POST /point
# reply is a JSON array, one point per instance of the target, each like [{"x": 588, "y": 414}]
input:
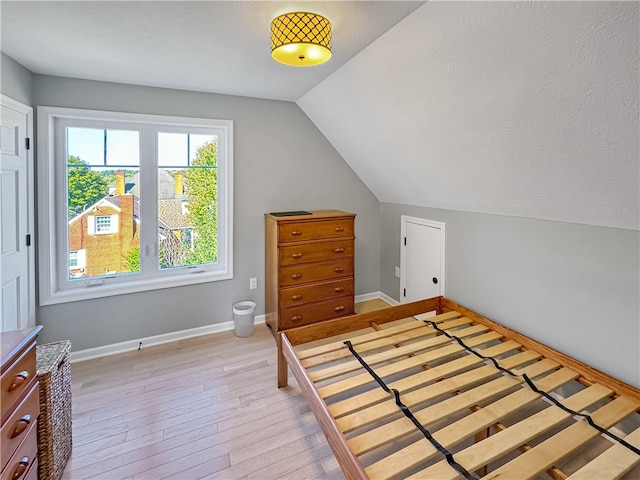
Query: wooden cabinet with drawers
[
  {"x": 20, "y": 404},
  {"x": 309, "y": 267}
]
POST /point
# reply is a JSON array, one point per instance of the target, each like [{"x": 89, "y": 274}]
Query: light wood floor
[{"x": 206, "y": 407}]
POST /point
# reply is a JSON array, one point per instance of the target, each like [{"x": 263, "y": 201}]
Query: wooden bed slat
[
  {"x": 379, "y": 411},
  {"x": 421, "y": 330},
  {"x": 376, "y": 395},
  {"x": 435, "y": 413},
  {"x": 613, "y": 463},
  {"x": 503, "y": 442},
  {"x": 562, "y": 444},
  {"x": 375, "y": 412},
  {"x": 454, "y": 433},
  {"x": 417, "y": 360},
  {"x": 368, "y": 337},
  {"x": 390, "y": 354}
]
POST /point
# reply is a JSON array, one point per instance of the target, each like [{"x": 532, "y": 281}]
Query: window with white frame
[
  {"x": 103, "y": 224},
  {"x": 114, "y": 186},
  {"x": 77, "y": 261}
]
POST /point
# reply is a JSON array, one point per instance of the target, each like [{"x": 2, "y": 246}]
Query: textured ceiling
[
  {"x": 515, "y": 108},
  {"x": 524, "y": 109},
  {"x": 209, "y": 46}
]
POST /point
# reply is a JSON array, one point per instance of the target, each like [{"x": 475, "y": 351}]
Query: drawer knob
[
  {"x": 338, "y": 269},
  {"x": 296, "y": 318},
  {"x": 21, "y": 426},
  {"x": 18, "y": 381},
  {"x": 20, "y": 468},
  {"x": 339, "y": 308},
  {"x": 296, "y": 255},
  {"x": 339, "y": 229},
  {"x": 338, "y": 250},
  {"x": 296, "y": 276},
  {"x": 296, "y": 297},
  {"x": 296, "y": 233},
  {"x": 338, "y": 289}
]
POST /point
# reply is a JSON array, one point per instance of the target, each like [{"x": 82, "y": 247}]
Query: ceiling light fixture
[{"x": 301, "y": 39}]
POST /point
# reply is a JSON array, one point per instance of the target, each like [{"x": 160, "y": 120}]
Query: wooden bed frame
[{"x": 492, "y": 422}]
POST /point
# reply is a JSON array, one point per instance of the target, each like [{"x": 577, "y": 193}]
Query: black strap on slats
[
  {"x": 533, "y": 387},
  {"x": 407, "y": 413}
]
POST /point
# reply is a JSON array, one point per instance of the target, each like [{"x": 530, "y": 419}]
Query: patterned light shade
[{"x": 301, "y": 39}]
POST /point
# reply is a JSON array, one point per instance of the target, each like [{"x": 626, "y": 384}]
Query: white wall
[
  {"x": 575, "y": 288},
  {"x": 281, "y": 163},
  {"x": 516, "y": 108},
  {"x": 15, "y": 80}
]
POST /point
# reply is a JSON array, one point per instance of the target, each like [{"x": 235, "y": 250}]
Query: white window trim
[{"x": 50, "y": 237}]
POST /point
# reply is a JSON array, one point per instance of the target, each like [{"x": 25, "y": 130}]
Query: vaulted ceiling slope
[{"x": 516, "y": 108}]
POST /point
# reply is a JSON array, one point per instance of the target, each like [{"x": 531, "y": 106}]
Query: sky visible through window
[{"x": 122, "y": 147}]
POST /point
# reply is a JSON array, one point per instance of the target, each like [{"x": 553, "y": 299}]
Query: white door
[
  {"x": 421, "y": 259},
  {"x": 16, "y": 259}
]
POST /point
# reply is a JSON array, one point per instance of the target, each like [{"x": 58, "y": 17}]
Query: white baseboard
[
  {"x": 131, "y": 345},
  {"x": 376, "y": 295}
]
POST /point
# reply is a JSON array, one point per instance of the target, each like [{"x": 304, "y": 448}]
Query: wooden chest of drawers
[
  {"x": 309, "y": 268},
  {"x": 20, "y": 405}
]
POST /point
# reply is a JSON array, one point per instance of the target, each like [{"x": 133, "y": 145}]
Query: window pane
[
  {"x": 86, "y": 144},
  {"x": 173, "y": 149},
  {"x": 188, "y": 218},
  {"x": 123, "y": 148},
  {"x": 103, "y": 212},
  {"x": 196, "y": 142}
]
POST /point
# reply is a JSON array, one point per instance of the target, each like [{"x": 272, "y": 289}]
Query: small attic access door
[{"x": 421, "y": 259}]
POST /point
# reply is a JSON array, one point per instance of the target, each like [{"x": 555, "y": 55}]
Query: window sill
[{"x": 107, "y": 289}]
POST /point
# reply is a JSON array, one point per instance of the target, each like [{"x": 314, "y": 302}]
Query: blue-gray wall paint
[
  {"x": 573, "y": 287},
  {"x": 281, "y": 162},
  {"x": 15, "y": 80}
]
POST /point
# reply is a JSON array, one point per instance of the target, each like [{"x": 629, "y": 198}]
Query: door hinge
[
  {"x": 28, "y": 239},
  {"x": 404, "y": 292},
  {"x": 27, "y": 143}
]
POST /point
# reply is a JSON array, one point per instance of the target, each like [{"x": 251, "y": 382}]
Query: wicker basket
[{"x": 54, "y": 423}]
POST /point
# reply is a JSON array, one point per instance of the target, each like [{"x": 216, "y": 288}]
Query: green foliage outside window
[
  {"x": 85, "y": 186},
  {"x": 201, "y": 186}
]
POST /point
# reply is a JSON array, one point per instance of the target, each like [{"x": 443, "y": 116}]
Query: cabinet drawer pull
[
  {"x": 18, "y": 381},
  {"x": 338, "y": 269},
  {"x": 338, "y": 289},
  {"x": 296, "y": 297},
  {"x": 296, "y": 276},
  {"x": 339, "y": 308},
  {"x": 296, "y": 233},
  {"x": 338, "y": 250},
  {"x": 296, "y": 318},
  {"x": 296, "y": 255},
  {"x": 21, "y": 426},
  {"x": 20, "y": 468},
  {"x": 339, "y": 229}
]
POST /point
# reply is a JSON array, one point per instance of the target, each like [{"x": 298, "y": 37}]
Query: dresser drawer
[
  {"x": 15, "y": 429},
  {"x": 314, "y": 312},
  {"x": 32, "y": 474},
  {"x": 298, "y": 231},
  {"x": 313, "y": 252},
  {"x": 293, "y": 296},
  {"x": 17, "y": 379},
  {"x": 313, "y": 272},
  {"x": 24, "y": 458}
]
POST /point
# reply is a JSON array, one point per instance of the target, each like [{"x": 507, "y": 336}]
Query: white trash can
[{"x": 243, "y": 318}]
